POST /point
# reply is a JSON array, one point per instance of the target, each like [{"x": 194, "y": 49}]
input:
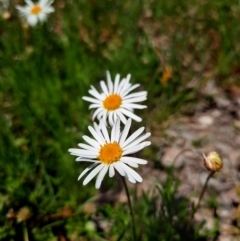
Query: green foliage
[{"x": 161, "y": 214}]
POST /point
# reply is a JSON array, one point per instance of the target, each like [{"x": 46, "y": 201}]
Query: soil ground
[{"x": 211, "y": 125}]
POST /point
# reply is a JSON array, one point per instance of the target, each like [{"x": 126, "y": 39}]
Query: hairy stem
[
  {"x": 130, "y": 208},
  {"x": 202, "y": 193}
]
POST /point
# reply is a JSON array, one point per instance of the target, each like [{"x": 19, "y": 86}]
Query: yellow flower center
[
  {"x": 36, "y": 9},
  {"x": 110, "y": 153},
  {"x": 112, "y": 102}
]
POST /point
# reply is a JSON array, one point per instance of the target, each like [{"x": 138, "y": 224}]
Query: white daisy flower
[
  {"x": 36, "y": 12},
  {"x": 115, "y": 100},
  {"x": 110, "y": 152}
]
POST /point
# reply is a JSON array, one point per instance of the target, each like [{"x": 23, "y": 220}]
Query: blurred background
[{"x": 186, "y": 54}]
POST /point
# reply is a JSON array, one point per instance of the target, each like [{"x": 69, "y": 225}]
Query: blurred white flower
[
  {"x": 110, "y": 152},
  {"x": 35, "y": 12},
  {"x": 115, "y": 100},
  {"x": 4, "y": 4}
]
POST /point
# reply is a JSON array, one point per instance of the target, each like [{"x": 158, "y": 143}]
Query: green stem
[
  {"x": 130, "y": 208},
  {"x": 25, "y": 232},
  {"x": 202, "y": 193}
]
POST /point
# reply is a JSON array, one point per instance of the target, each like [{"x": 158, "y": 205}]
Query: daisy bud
[
  {"x": 23, "y": 214},
  {"x": 213, "y": 162}
]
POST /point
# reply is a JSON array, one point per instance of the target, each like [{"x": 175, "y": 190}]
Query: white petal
[
  {"x": 133, "y": 136},
  {"x": 130, "y": 163},
  {"x": 87, "y": 147},
  {"x": 132, "y": 150},
  {"x": 92, "y": 174},
  {"x": 133, "y": 159},
  {"x": 42, "y": 17},
  {"x": 87, "y": 169},
  {"x": 98, "y": 138},
  {"x": 81, "y": 152},
  {"x": 145, "y": 143},
  {"x": 126, "y": 86},
  {"x": 137, "y": 141},
  {"x": 130, "y": 89},
  {"x": 125, "y": 131},
  {"x": 122, "y": 85},
  {"x": 89, "y": 99},
  {"x": 49, "y": 9},
  {"x": 23, "y": 10},
  {"x": 95, "y": 93},
  {"x": 29, "y": 3},
  {"x": 101, "y": 115},
  {"x": 115, "y": 116},
  {"x": 130, "y": 178},
  {"x": 90, "y": 157},
  {"x": 134, "y": 100},
  {"x": 92, "y": 106},
  {"x": 136, "y": 148},
  {"x": 129, "y": 170},
  {"x": 124, "y": 89},
  {"x": 121, "y": 116},
  {"x": 97, "y": 129},
  {"x": 91, "y": 141},
  {"x": 110, "y": 118},
  {"x": 137, "y": 94},
  {"x": 101, "y": 175},
  {"x": 104, "y": 88},
  {"x": 80, "y": 159},
  {"x": 104, "y": 117},
  {"x": 45, "y": 3},
  {"x": 32, "y": 20},
  {"x": 109, "y": 81},
  {"x": 131, "y": 115},
  {"x": 111, "y": 171},
  {"x": 119, "y": 168},
  {"x": 128, "y": 77},
  {"x": 98, "y": 112},
  {"x": 104, "y": 131},
  {"x": 116, "y": 83},
  {"x": 115, "y": 131},
  {"x": 133, "y": 106},
  {"x": 42, "y": 3}
]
